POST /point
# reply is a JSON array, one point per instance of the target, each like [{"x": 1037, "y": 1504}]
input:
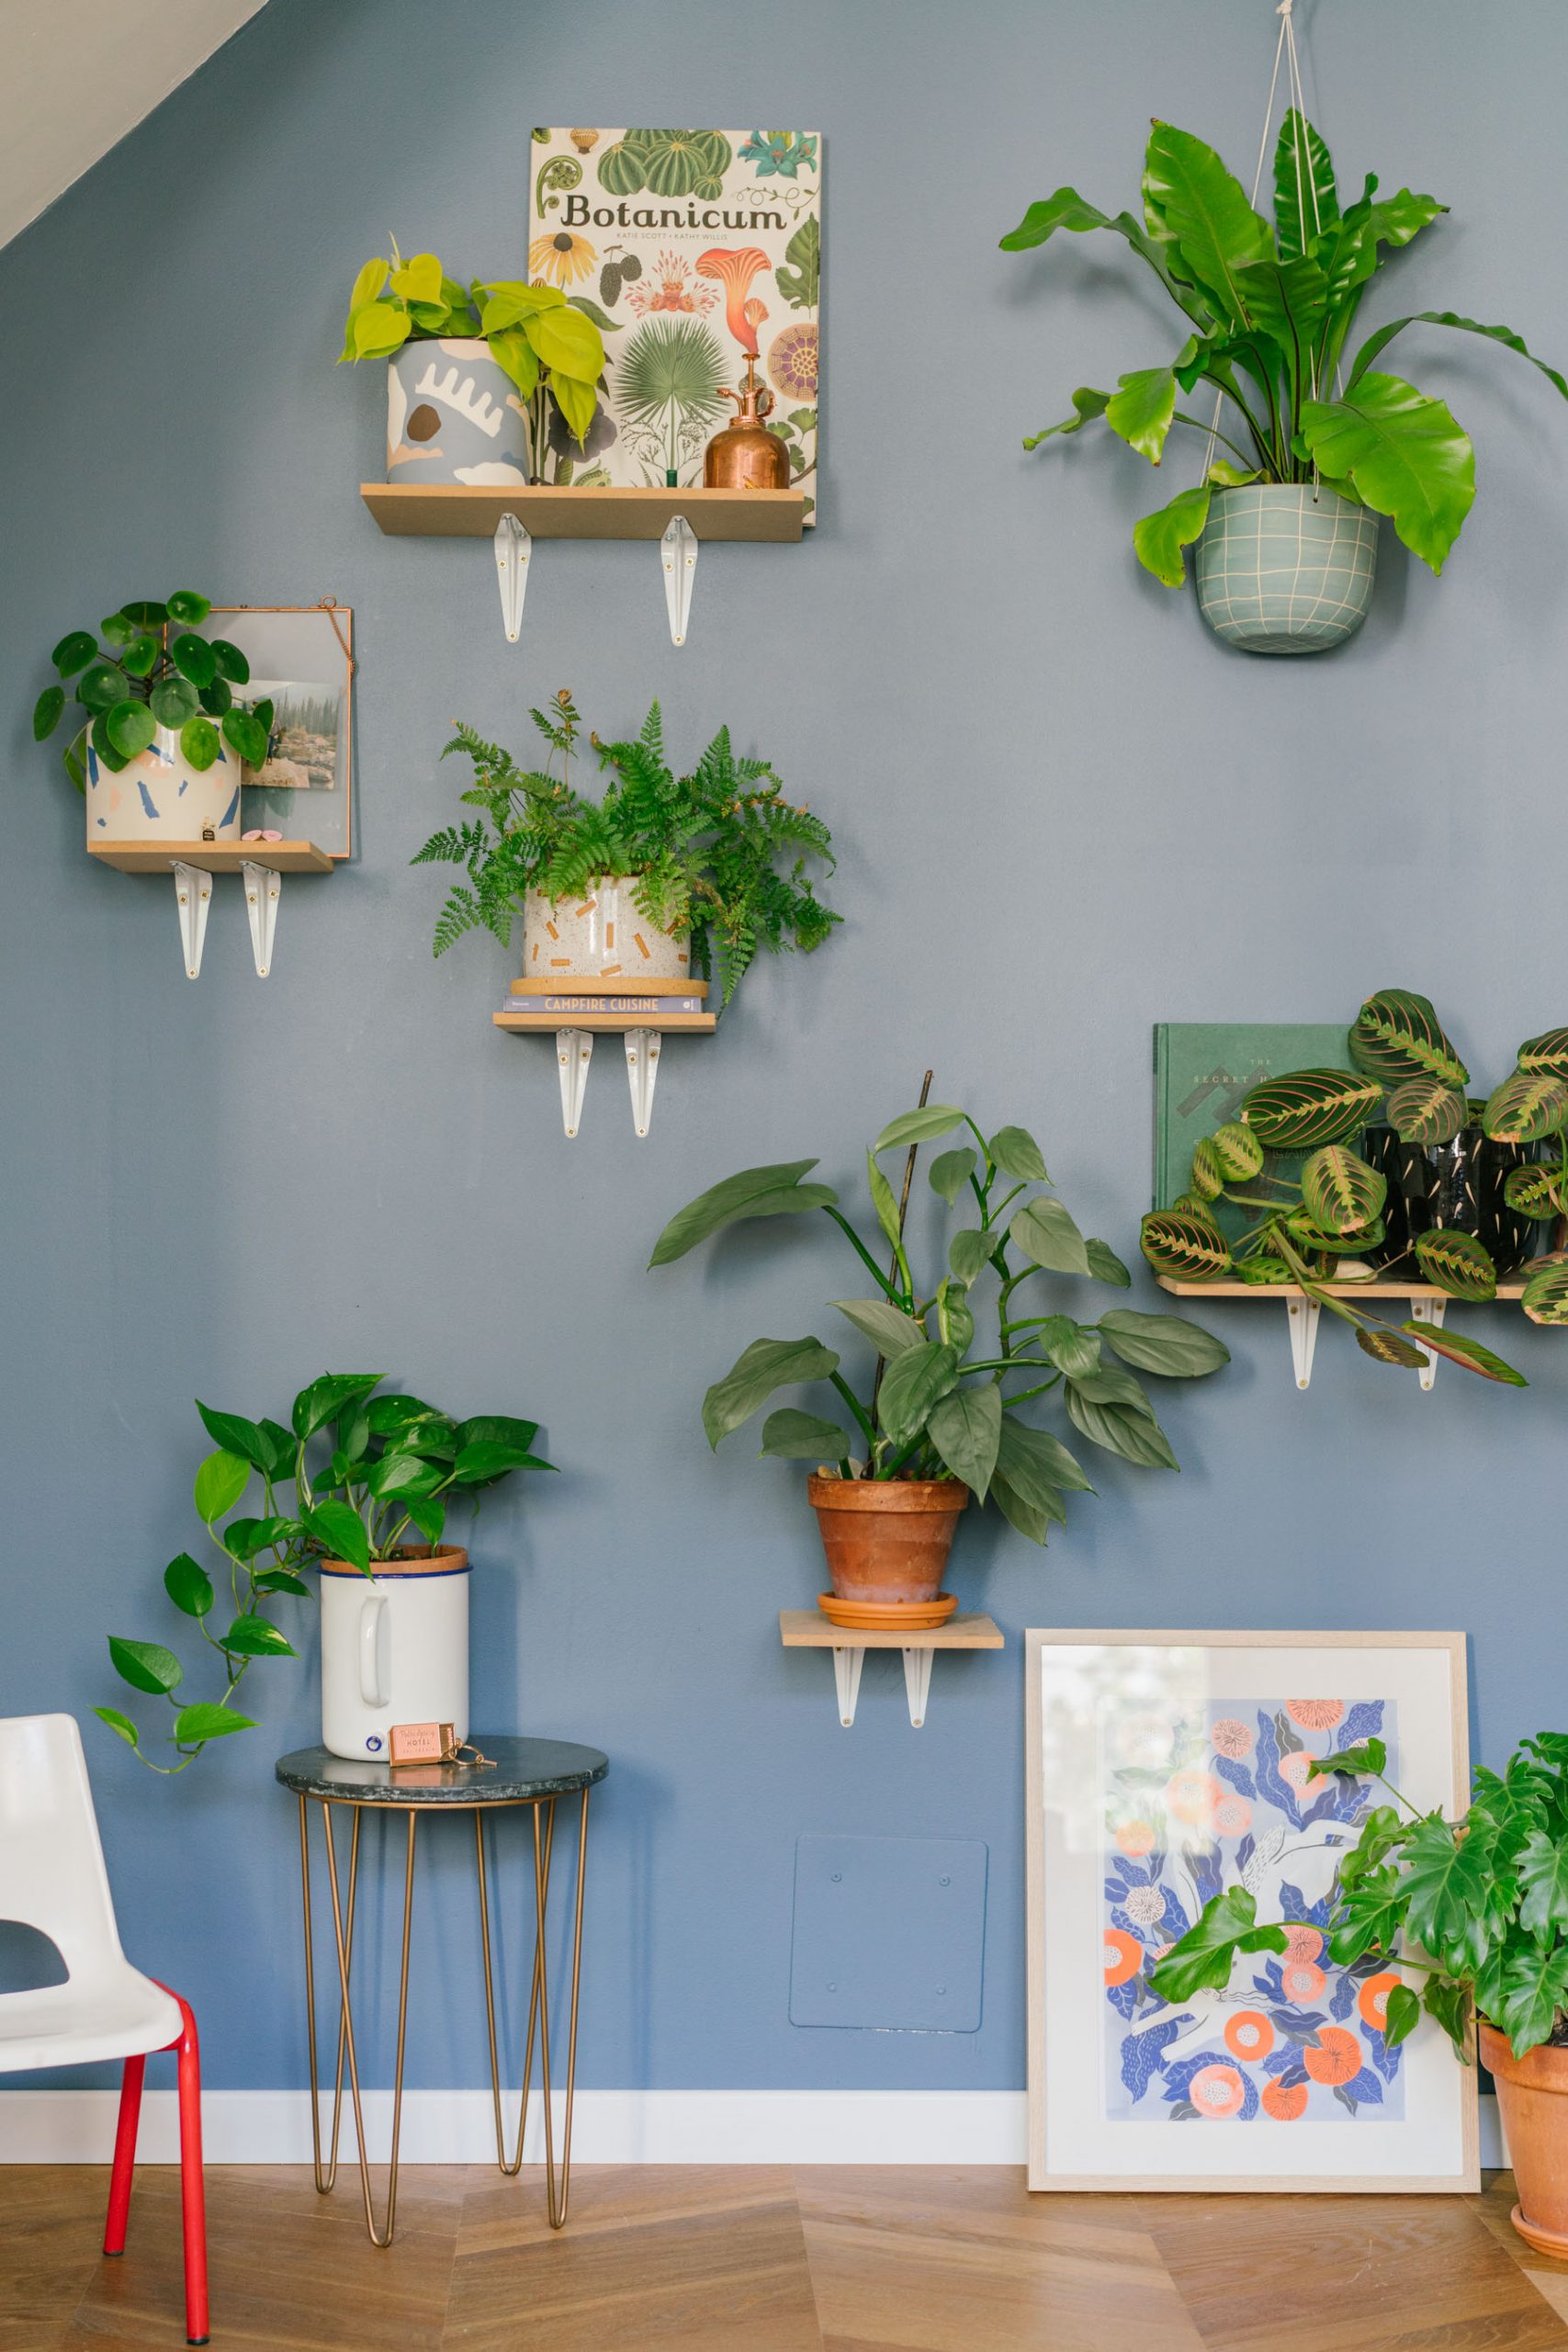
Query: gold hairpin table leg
[
  {"x": 557, "y": 2187},
  {"x": 342, "y": 1932},
  {"x": 326, "y": 2179}
]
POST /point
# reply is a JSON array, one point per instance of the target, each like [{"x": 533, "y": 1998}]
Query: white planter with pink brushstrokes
[{"x": 603, "y": 935}]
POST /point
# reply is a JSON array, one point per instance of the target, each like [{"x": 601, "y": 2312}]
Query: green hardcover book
[{"x": 1203, "y": 1071}]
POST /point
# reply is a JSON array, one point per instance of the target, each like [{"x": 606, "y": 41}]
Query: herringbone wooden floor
[{"x": 766, "y": 2259}]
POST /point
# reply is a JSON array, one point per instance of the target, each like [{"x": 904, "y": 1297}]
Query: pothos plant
[
  {"x": 547, "y": 342},
  {"x": 1483, "y": 1900},
  {"x": 1270, "y": 310},
  {"x": 346, "y": 1480},
  {"x": 719, "y": 854},
  {"x": 152, "y": 671},
  {"x": 933, "y": 1398},
  {"x": 1300, "y": 1230}
]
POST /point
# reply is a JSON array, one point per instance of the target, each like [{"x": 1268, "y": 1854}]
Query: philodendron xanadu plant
[
  {"x": 1271, "y": 311},
  {"x": 933, "y": 1399},
  {"x": 1407, "y": 1072}
]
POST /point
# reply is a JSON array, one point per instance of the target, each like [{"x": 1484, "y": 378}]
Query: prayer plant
[
  {"x": 1407, "y": 1072},
  {"x": 1483, "y": 1901},
  {"x": 720, "y": 855},
  {"x": 932, "y": 1398},
  {"x": 365, "y": 1472},
  {"x": 1271, "y": 310}
]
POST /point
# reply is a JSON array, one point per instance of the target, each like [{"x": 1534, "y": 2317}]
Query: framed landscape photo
[
  {"x": 1162, "y": 1768},
  {"x": 301, "y": 659}
]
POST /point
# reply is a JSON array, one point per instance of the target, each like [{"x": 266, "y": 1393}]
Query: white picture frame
[{"x": 1129, "y": 1734}]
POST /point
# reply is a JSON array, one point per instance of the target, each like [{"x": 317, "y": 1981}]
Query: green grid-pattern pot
[{"x": 1286, "y": 569}]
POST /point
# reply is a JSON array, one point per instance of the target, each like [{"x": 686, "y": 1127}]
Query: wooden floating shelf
[
  {"x": 1335, "y": 1290},
  {"x": 453, "y": 510},
  {"x": 808, "y": 1629},
  {"x": 212, "y": 857}
]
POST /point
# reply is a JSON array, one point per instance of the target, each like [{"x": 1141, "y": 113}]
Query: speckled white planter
[
  {"x": 160, "y": 797},
  {"x": 598, "y": 937}
]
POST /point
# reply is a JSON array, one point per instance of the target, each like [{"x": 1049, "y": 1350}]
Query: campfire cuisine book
[{"x": 691, "y": 251}]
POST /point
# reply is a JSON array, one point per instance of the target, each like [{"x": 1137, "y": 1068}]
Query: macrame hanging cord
[{"x": 1284, "y": 54}]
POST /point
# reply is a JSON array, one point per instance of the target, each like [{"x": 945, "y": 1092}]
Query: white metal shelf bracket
[
  {"x": 574, "y": 1050},
  {"x": 1303, "y": 1314},
  {"x": 263, "y": 888},
  {"x": 512, "y": 548},
  {"x": 1432, "y": 1311},
  {"x": 678, "y": 552},
  {"x": 193, "y": 893},
  {"x": 642, "y": 1073},
  {"x": 847, "y": 1664},
  {"x": 917, "y": 1682}
]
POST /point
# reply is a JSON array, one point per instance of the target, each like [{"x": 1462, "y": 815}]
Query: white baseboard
[{"x": 609, "y": 2126}]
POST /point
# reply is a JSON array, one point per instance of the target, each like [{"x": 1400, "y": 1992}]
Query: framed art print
[
  {"x": 301, "y": 659},
  {"x": 1162, "y": 1768}
]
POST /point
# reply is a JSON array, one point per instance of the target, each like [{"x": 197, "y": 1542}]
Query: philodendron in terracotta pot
[
  {"x": 345, "y": 1489},
  {"x": 1464, "y": 1921},
  {"x": 659, "y": 873},
  {"x": 1306, "y": 447},
  {"x": 934, "y": 1412}
]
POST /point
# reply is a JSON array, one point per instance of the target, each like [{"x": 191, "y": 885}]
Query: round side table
[{"x": 533, "y": 1772}]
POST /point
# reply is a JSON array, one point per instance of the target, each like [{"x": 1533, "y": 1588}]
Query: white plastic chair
[{"x": 52, "y": 1879}]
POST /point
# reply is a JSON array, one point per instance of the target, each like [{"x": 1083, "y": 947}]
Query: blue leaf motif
[
  {"x": 1176, "y": 1922},
  {"x": 1245, "y": 1848},
  {"x": 1343, "y": 2000},
  {"x": 1123, "y": 1998},
  {"x": 1364, "y": 2088},
  {"x": 1205, "y": 1872},
  {"x": 1142, "y": 2055},
  {"x": 1249, "y": 2102},
  {"x": 1270, "y": 1980},
  {"x": 1295, "y": 1905},
  {"x": 1385, "y": 2060},
  {"x": 1237, "y": 1774},
  {"x": 1363, "y": 1722},
  {"x": 1277, "y": 1791}
]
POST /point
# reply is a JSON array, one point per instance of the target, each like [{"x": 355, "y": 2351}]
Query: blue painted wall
[{"x": 1064, "y": 813}]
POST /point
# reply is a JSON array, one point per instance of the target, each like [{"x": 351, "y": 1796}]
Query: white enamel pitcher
[{"x": 394, "y": 1649}]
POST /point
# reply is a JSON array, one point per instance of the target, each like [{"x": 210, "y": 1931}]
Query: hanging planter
[
  {"x": 1285, "y": 569},
  {"x": 1306, "y": 447}
]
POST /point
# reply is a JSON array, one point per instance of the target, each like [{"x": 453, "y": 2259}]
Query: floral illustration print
[
  {"x": 792, "y": 362},
  {"x": 734, "y": 271},
  {"x": 779, "y": 153},
  {"x": 561, "y": 259},
  {"x": 672, "y": 287},
  {"x": 1221, "y": 1799}
]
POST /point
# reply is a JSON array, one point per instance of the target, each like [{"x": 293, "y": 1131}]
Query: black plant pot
[{"x": 1457, "y": 1186}]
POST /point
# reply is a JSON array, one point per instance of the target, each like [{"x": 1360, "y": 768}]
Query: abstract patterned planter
[
  {"x": 454, "y": 414},
  {"x": 1285, "y": 569},
  {"x": 597, "y": 937},
  {"x": 160, "y": 797},
  {"x": 1454, "y": 1187}
]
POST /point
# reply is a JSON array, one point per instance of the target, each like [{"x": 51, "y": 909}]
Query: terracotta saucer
[{"x": 887, "y": 1616}]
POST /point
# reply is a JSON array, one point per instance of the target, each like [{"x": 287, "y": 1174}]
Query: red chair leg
[
  {"x": 124, "y": 2155},
  {"x": 193, "y": 2199}
]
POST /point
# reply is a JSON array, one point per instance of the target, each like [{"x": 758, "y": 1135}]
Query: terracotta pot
[
  {"x": 887, "y": 1540},
  {"x": 1532, "y": 2093}
]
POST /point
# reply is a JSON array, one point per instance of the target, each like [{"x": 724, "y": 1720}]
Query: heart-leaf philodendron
[
  {"x": 369, "y": 1475},
  {"x": 932, "y": 1399},
  {"x": 1475, "y": 1911},
  {"x": 1271, "y": 311}
]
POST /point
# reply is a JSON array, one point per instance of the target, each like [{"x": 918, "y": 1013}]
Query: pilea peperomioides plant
[
  {"x": 156, "y": 672},
  {"x": 933, "y": 1398},
  {"x": 1483, "y": 1901},
  {"x": 1408, "y": 1074},
  {"x": 1270, "y": 310}
]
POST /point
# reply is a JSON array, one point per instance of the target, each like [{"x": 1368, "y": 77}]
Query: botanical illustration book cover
[
  {"x": 691, "y": 251},
  {"x": 1203, "y": 1069}
]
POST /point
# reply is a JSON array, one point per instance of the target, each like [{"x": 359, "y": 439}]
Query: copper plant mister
[{"x": 746, "y": 456}]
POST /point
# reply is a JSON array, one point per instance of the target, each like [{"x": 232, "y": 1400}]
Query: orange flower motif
[
  {"x": 1302, "y": 1944},
  {"x": 1295, "y": 1770},
  {"x": 1233, "y": 1816},
  {"x": 1373, "y": 1999},
  {"x": 1123, "y": 1955},
  {"x": 1336, "y": 2057},
  {"x": 1191, "y": 1794},
  {"x": 1233, "y": 1737},
  {"x": 1304, "y": 1982},
  {"x": 1136, "y": 1839},
  {"x": 1217, "y": 2092},
  {"x": 1285, "y": 2102},
  {"x": 1250, "y": 2035},
  {"x": 1316, "y": 1715}
]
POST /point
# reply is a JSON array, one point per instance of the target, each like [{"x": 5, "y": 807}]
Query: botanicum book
[{"x": 691, "y": 251}]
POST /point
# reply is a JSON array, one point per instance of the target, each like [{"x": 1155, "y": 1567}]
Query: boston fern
[
  {"x": 932, "y": 1399},
  {"x": 1483, "y": 1901},
  {"x": 719, "y": 854},
  {"x": 1271, "y": 310}
]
